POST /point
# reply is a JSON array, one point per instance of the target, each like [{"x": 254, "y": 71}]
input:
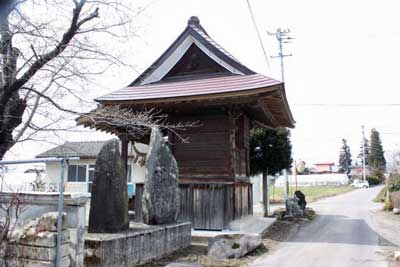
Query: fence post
[{"x": 60, "y": 212}]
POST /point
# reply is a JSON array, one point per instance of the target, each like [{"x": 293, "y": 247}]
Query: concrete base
[
  {"x": 140, "y": 244},
  {"x": 251, "y": 225}
]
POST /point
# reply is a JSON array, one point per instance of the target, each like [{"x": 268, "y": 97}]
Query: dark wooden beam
[{"x": 268, "y": 113}]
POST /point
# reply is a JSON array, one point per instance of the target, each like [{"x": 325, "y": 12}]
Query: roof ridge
[
  {"x": 90, "y": 141},
  {"x": 195, "y": 30}
]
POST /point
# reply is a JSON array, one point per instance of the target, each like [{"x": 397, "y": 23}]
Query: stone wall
[
  {"x": 41, "y": 251},
  {"x": 136, "y": 246},
  {"x": 38, "y": 203}
]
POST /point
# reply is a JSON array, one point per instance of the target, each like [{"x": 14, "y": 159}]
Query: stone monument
[
  {"x": 109, "y": 201},
  {"x": 160, "y": 202},
  {"x": 293, "y": 209}
]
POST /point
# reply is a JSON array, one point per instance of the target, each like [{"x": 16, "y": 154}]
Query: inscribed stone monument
[
  {"x": 109, "y": 200},
  {"x": 160, "y": 203}
]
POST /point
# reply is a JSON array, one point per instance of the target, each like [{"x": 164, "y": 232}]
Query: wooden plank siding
[
  {"x": 215, "y": 188},
  {"x": 209, "y": 206},
  {"x": 205, "y": 156},
  {"x": 241, "y": 148}
]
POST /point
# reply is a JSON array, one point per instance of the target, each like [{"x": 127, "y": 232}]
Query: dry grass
[{"x": 312, "y": 193}]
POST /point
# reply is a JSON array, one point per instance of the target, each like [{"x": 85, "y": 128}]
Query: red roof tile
[{"x": 225, "y": 84}]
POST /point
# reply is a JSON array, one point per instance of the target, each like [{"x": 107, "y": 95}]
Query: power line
[{"x": 258, "y": 35}]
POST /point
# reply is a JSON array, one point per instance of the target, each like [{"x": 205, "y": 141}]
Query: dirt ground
[
  {"x": 387, "y": 225},
  {"x": 272, "y": 240}
]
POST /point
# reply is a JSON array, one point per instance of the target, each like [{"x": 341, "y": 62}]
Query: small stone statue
[
  {"x": 292, "y": 208},
  {"x": 301, "y": 199}
]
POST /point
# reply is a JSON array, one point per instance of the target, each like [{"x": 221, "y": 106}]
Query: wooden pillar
[
  {"x": 124, "y": 151},
  {"x": 232, "y": 143}
]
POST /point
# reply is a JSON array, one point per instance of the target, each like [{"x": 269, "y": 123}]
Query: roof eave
[{"x": 201, "y": 97}]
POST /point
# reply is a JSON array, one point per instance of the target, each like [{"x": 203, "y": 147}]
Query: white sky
[{"x": 345, "y": 52}]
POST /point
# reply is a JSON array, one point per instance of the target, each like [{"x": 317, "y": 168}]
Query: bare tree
[
  {"x": 394, "y": 162},
  {"x": 11, "y": 207},
  {"x": 48, "y": 51},
  {"x": 133, "y": 124}
]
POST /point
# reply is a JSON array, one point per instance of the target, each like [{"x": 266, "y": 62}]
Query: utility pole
[
  {"x": 363, "y": 151},
  {"x": 283, "y": 37}
]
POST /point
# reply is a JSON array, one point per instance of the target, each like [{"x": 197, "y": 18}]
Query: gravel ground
[
  {"x": 272, "y": 240},
  {"x": 387, "y": 225}
]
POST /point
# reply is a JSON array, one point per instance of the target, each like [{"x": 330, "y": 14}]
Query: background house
[
  {"x": 79, "y": 175},
  {"x": 323, "y": 167}
]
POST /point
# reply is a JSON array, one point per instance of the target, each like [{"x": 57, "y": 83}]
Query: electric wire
[{"x": 258, "y": 34}]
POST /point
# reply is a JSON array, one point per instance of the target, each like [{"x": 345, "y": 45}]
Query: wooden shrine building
[{"x": 195, "y": 79}]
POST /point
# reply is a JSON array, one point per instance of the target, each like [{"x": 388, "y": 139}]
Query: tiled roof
[
  {"x": 84, "y": 149},
  {"x": 208, "y": 86},
  {"x": 74, "y": 149},
  {"x": 198, "y": 29},
  {"x": 195, "y": 30}
]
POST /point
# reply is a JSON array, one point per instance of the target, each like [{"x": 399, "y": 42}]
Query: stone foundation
[
  {"x": 138, "y": 245},
  {"x": 38, "y": 203},
  {"x": 41, "y": 251}
]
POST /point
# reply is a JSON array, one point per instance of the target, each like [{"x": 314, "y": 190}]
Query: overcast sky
[{"x": 345, "y": 53}]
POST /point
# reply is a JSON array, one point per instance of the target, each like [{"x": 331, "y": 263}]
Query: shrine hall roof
[
  {"x": 199, "y": 87},
  {"x": 196, "y": 68}
]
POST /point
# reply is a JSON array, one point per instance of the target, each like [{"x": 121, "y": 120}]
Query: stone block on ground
[
  {"x": 309, "y": 213},
  {"x": 232, "y": 246},
  {"x": 293, "y": 209},
  {"x": 139, "y": 245},
  {"x": 109, "y": 201},
  {"x": 40, "y": 253},
  {"x": 395, "y": 197},
  {"x": 45, "y": 223},
  {"x": 279, "y": 213},
  {"x": 160, "y": 202},
  {"x": 44, "y": 239},
  {"x": 65, "y": 262},
  {"x": 184, "y": 264}
]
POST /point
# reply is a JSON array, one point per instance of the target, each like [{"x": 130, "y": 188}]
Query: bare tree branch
[{"x": 52, "y": 52}]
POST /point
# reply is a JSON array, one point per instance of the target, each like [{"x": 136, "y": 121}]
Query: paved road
[{"x": 342, "y": 235}]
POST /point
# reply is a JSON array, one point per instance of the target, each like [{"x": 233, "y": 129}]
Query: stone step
[
  {"x": 65, "y": 262},
  {"x": 45, "y": 239},
  {"x": 40, "y": 253}
]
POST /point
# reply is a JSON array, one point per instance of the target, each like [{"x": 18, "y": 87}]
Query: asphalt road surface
[{"x": 342, "y": 235}]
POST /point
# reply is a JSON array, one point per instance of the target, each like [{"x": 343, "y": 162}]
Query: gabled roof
[
  {"x": 88, "y": 149},
  {"x": 83, "y": 149},
  {"x": 193, "y": 34},
  {"x": 196, "y": 70}
]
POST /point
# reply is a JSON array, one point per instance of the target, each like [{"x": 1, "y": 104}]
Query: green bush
[
  {"x": 388, "y": 205},
  {"x": 373, "y": 180},
  {"x": 394, "y": 183}
]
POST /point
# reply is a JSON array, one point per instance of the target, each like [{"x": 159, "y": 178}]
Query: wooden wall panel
[
  {"x": 209, "y": 206},
  {"x": 242, "y": 144},
  {"x": 207, "y": 151}
]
